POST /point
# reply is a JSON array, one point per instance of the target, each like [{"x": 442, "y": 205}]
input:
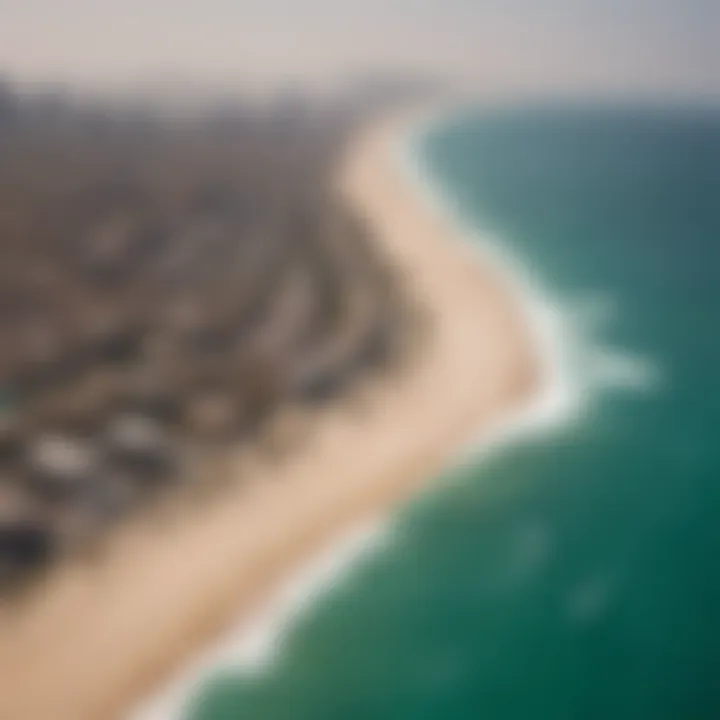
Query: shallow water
[{"x": 573, "y": 574}]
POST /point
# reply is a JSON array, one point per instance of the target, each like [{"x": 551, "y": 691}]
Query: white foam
[
  {"x": 621, "y": 370},
  {"x": 574, "y": 363},
  {"x": 604, "y": 366},
  {"x": 589, "y": 600},
  {"x": 252, "y": 646},
  {"x": 560, "y": 394}
]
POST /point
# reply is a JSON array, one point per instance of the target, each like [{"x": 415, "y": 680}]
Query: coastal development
[
  {"x": 167, "y": 288},
  {"x": 226, "y": 339}
]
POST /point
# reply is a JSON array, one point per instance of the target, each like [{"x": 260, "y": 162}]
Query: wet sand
[{"x": 101, "y": 635}]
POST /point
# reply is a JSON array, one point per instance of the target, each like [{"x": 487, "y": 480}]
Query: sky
[{"x": 489, "y": 45}]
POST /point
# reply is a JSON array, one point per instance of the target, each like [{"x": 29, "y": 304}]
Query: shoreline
[
  {"x": 254, "y": 644},
  {"x": 106, "y": 636}
]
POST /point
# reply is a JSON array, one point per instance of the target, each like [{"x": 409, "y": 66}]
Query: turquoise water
[{"x": 574, "y": 574}]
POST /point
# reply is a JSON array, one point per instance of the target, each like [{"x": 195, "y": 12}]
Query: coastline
[{"x": 98, "y": 643}]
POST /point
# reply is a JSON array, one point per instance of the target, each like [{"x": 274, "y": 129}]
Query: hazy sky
[{"x": 491, "y": 44}]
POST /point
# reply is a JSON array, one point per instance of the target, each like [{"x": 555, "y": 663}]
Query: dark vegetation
[{"x": 166, "y": 286}]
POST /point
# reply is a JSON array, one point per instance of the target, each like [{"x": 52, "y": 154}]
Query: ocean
[{"x": 575, "y": 572}]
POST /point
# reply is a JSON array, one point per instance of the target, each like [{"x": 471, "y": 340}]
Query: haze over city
[{"x": 491, "y": 46}]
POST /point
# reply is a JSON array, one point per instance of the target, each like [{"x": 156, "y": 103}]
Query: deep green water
[{"x": 575, "y": 574}]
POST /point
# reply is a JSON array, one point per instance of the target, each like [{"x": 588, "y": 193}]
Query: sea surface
[{"x": 575, "y": 573}]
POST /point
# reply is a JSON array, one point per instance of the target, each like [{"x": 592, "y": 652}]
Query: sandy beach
[{"x": 102, "y": 635}]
